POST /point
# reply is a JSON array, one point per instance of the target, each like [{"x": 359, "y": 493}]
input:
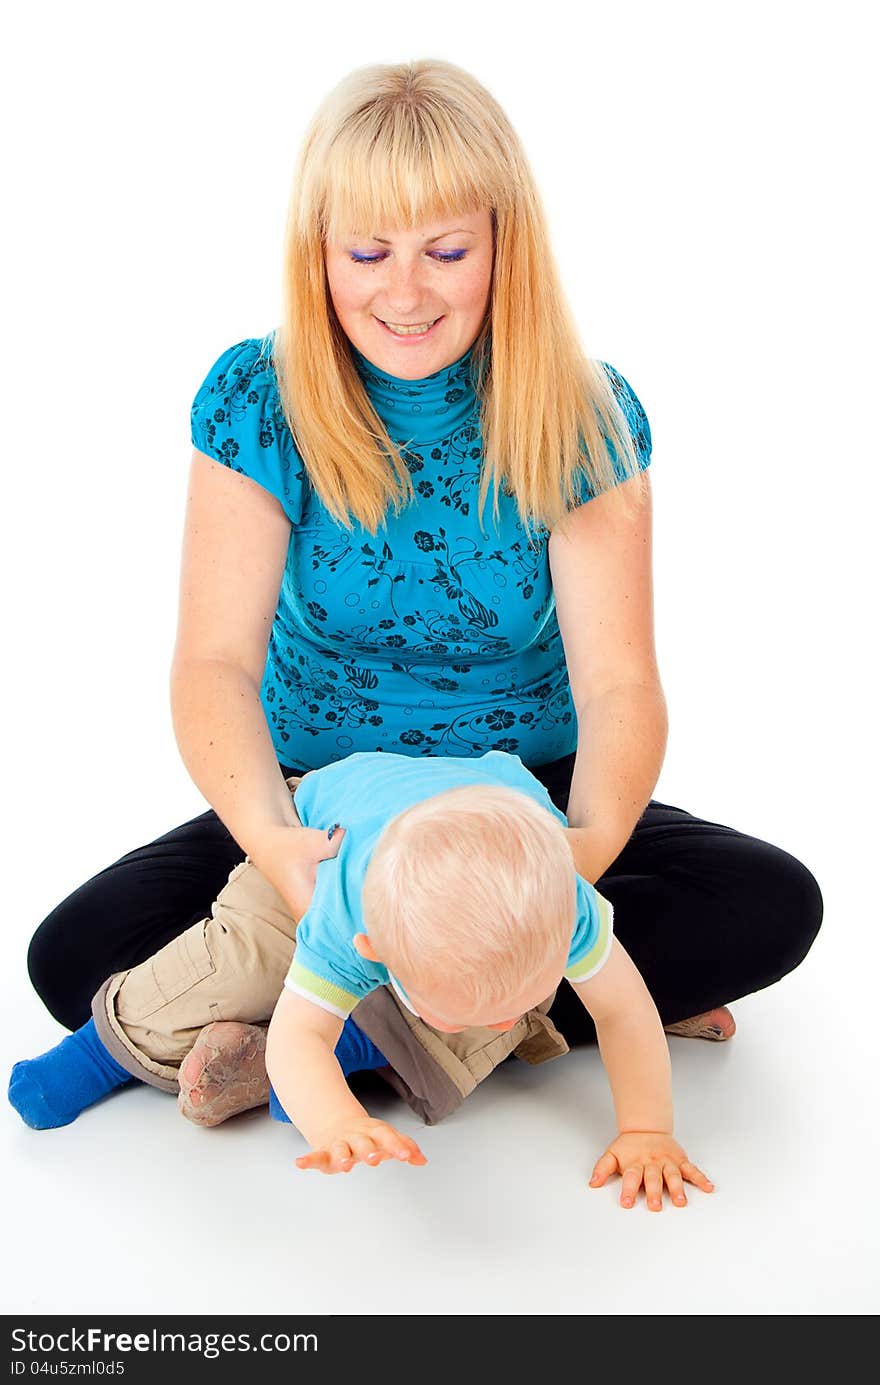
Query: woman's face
[{"x": 435, "y": 277}]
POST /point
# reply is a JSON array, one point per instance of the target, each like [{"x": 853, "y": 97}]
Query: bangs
[
  {"x": 401, "y": 165},
  {"x": 411, "y": 146}
]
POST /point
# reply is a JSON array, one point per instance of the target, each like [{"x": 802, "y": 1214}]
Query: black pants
[{"x": 707, "y": 913}]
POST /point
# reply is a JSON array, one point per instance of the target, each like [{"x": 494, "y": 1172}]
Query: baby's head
[{"x": 469, "y": 900}]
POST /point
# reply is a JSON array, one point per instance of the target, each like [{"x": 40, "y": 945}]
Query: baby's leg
[
  {"x": 224, "y": 1073},
  {"x": 192, "y": 1019},
  {"x": 145, "y": 1021}
]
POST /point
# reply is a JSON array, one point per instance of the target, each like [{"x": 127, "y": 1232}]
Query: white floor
[{"x": 131, "y": 1209}]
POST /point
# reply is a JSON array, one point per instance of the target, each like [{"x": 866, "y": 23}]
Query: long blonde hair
[{"x": 398, "y": 145}]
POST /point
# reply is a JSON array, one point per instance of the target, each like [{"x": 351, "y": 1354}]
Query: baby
[{"x": 455, "y": 885}]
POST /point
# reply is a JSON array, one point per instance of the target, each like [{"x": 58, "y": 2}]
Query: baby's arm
[
  {"x": 636, "y": 1057},
  {"x": 308, "y": 1082}
]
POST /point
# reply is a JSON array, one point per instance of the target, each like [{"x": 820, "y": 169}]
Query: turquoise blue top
[
  {"x": 436, "y": 638},
  {"x": 364, "y": 792}
]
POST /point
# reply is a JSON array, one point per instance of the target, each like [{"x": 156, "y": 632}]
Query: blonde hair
[
  {"x": 397, "y": 145},
  {"x": 473, "y": 887}
]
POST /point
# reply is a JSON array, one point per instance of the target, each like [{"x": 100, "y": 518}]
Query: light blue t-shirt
[
  {"x": 434, "y": 637},
  {"x": 363, "y": 793}
]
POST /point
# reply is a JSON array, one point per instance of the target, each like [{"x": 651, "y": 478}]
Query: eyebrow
[{"x": 457, "y": 231}]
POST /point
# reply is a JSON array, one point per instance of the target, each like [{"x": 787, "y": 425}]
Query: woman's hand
[
  {"x": 360, "y": 1141},
  {"x": 290, "y": 858},
  {"x": 651, "y": 1157}
]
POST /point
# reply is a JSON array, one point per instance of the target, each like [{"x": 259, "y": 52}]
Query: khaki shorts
[{"x": 232, "y": 966}]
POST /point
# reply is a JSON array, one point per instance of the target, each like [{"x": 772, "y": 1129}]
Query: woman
[{"x": 353, "y": 590}]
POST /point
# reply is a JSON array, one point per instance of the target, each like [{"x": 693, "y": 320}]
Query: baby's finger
[
  {"x": 696, "y": 1176},
  {"x": 632, "y": 1181},
  {"x": 408, "y": 1152},
  {"x": 604, "y": 1168},
  {"x": 341, "y": 1157},
  {"x": 413, "y": 1154},
  {"x": 399, "y": 1146},
  {"x": 674, "y": 1184},
  {"x": 364, "y": 1149},
  {"x": 317, "y": 1159},
  {"x": 654, "y": 1187}
]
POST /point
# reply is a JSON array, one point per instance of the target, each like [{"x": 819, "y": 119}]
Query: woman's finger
[
  {"x": 696, "y": 1176},
  {"x": 604, "y": 1168},
  {"x": 632, "y": 1181},
  {"x": 674, "y": 1184},
  {"x": 329, "y": 842},
  {"x": 654, "y": 1187}
]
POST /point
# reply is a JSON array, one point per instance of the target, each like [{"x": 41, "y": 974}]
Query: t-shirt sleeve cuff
[
  {"x": 593, "y": 960},
  {"x": 320, "y": 991}
]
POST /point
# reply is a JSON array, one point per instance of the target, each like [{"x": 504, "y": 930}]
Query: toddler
[{"x": 454, "y": 884}]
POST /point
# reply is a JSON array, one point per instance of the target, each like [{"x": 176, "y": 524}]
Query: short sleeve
[
  {"x": 237, "y": 419},
  {"x": 326, "y": 970},
  {"x": 591, "y": 944},
  {"x": 639, "y": 428}
]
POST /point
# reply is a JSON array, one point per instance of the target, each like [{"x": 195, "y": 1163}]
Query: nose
[{"x": 405, "y": 290}]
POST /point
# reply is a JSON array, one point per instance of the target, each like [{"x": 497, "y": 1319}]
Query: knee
[
  {"x": 53, "y": 973},
  {"x": 793, "y": 908}
]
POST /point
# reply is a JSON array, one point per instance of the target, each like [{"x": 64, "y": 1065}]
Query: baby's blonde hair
[{"x": 472, "y": 888}]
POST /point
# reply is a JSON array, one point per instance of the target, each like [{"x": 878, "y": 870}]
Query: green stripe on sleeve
[
  {"x": 324, "y": 993},
  {"x": 590, "y": 963}
]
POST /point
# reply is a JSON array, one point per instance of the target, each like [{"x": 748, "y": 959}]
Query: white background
[{"x": 707, "y": 176}]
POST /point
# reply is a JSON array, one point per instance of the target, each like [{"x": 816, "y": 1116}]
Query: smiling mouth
[{"x": 401, "y": 329}]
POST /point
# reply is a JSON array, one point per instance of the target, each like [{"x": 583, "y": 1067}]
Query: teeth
[{"x": 409, "y": 331}]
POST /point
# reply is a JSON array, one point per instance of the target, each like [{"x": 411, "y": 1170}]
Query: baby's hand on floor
[
  {"x": 365, "y": 1141},
  {"x": 651, "y": 1157}
]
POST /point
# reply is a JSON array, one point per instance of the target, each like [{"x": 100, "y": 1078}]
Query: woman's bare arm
[
  {"x": 235, "y": 544},
  {"x": 602, "y": 582}
]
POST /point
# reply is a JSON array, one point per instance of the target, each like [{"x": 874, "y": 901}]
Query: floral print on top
[{"x": 435, "y": 637}]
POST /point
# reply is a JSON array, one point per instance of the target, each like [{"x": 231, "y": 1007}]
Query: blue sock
[
  {"x": 51, "y": 1090},
  {"x": 276, "y": 1110},
  {"x": 354, "y": 1053}
]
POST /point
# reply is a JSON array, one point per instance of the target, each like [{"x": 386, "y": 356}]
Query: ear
[{"x": 364, "y": 947}]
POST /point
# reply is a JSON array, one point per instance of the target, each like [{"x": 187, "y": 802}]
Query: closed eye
[{"x": 442, "y": 256}]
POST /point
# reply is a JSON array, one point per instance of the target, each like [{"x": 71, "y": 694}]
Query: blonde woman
[{"x": 419, "y": 521}]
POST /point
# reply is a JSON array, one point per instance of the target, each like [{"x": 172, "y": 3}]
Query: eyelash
[{"x": 449, "y": 257}]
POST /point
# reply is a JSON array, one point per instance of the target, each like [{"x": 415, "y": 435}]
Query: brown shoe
[
  {"x": 716, "y": 1025},
  {"x": 224, "y": 1073}
]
